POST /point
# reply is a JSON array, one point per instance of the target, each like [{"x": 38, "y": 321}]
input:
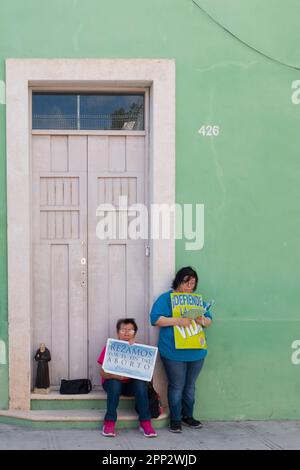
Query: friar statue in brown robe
[{"x": 42, "y": 356}]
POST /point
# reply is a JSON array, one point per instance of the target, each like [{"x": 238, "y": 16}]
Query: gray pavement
[{"x": 254, "y": 435}]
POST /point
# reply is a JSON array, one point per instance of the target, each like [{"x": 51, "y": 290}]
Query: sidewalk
[{"x": 254, "y": 435}]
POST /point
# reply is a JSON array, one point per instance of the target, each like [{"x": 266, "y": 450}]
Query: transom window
[{"x": 88, "y": 111}]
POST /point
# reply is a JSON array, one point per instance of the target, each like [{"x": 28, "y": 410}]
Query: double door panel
[{"x": 82, "y": 284}]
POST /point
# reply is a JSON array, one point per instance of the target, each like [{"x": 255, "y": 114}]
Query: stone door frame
[{"x": 21, "y": 74}]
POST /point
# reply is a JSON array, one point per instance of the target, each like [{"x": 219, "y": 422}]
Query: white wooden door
[
  {"x": 59, "y": 166},
  {"x": 81, "y": 284},
  {"x": 117, "y": 269}
]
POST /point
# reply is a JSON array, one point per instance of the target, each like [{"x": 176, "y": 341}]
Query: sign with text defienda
[
  {"x": 189, "y": 306},
  {"x": 135, "y": 361}
]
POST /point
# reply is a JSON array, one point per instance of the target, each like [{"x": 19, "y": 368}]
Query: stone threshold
[
  {"x": 65, "y": 415},
  {"x": 73, "y": 418},
  {"x": 55, "y": 395}
]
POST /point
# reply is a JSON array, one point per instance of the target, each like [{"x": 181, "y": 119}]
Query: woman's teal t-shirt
[{"x": 166, "y": 343}]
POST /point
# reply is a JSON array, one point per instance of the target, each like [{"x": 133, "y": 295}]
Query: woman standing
[{"x": 182, "y": 365}]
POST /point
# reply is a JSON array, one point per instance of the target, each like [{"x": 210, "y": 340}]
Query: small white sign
[
  {"x": 2, "y": 353},
  {"x": 2, "y": 92},
  {"x": 296, "y": 94},
  {"x": 135, "y": 361}
]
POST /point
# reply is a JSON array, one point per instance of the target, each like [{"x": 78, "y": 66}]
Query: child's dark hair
[
  {"x": 126, "y": 321},
  {"x": 184, "y": 275}
]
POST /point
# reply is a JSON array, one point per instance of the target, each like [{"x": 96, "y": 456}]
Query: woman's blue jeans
[
  {"x": 134, "y": 388},
  {"x": 181, "y": 386}
]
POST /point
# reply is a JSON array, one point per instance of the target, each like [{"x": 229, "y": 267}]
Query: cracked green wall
[{"x": 247, "y": 177}]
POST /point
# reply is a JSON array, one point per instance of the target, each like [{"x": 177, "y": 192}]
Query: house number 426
[{"x": 209, "y": 131}]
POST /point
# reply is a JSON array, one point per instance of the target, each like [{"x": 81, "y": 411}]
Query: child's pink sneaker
[
  {"x": 109, "y": 429},
  {"x": 147, "y": 429}
]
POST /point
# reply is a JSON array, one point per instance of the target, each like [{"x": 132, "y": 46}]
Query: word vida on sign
[{"x": 209, "y": 131}]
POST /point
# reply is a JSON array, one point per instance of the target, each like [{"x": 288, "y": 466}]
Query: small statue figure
[{"x": 42, "y": 356}]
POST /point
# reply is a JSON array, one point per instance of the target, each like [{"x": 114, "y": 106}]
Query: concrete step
[
  {"x": 95, "y": 400},
  {"x": 73, "y": 418}
]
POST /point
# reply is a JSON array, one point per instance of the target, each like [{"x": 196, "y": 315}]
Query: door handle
[{"x": 83, "y": 279}]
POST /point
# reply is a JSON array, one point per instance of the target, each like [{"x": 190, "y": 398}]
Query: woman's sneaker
[
  {"x": 147, "y": 429},
  {"x": 191, "y": 422},
  {"x": 109, "y": 429},
  {"x": 175, "y": 426}
]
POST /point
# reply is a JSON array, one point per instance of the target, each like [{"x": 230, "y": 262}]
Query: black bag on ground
[
  {"x": 74, "y": 387},
  {"x": 154, "y": 402},
  {"x": 155, "y": 407}
]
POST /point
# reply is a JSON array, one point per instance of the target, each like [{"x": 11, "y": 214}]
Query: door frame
[
  {"x": 22, "y": 74},
  {"x": 87, "y": 133}
]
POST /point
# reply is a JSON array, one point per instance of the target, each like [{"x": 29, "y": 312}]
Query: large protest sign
[
  {"x": 190, "y": 306},
  {"x": 136, "y": 361}
]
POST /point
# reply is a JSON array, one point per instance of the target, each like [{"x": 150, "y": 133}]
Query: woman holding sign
[
  {"x": 182, "y": 316},
  {"x": 115, "y": 385}
]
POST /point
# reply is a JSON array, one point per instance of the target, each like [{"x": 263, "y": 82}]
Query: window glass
[
  {"x": 112, "y": 112},
  {"x": 54, "y": 111},
  {"x": 88, "y": 111}
]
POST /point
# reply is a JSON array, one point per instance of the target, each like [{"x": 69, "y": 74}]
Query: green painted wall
[{"x": 234, "y": 68}]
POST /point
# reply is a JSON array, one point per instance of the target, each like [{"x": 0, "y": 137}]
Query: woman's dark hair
[
  {"x": 126, "y": 321},
  {"x": 184, "y": 275}
]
